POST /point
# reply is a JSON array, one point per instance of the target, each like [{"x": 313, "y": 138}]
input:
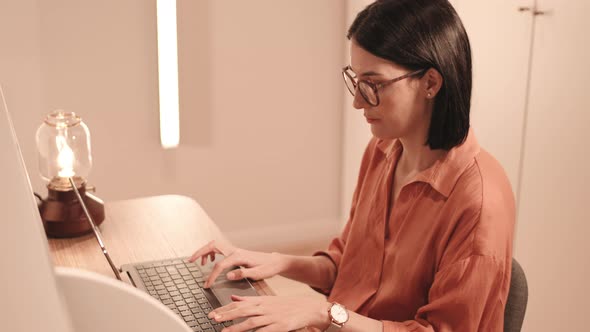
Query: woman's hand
[
  {"x": 274, "y": 313},
  {"x": 256, "y": 265}
]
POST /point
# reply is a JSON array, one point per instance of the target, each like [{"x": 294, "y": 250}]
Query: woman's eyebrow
[{"x": 371, "y": 73}]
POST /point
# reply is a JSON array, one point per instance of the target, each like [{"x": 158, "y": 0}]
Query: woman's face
[{"x": 404, "y": 109}]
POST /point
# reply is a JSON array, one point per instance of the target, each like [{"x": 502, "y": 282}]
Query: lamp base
[{"x": 63, "y": 215}]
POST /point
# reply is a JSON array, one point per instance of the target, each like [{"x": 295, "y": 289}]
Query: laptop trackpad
[{"x": 225, "y": 289}]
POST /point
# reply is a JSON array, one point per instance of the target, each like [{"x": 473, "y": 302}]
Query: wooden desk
[{"x": 143, "y": 229}]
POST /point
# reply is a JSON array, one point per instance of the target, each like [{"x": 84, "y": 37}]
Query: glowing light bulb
[{"x": 65, "y": 158}]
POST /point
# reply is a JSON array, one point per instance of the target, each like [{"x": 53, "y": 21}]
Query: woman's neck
[{"x": 416, "y": 156}]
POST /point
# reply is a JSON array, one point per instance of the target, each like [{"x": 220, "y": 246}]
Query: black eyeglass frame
[{"x": 374, "y": 86}]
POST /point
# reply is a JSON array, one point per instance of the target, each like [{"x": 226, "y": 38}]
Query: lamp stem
[{"x": 94, "y": 229}]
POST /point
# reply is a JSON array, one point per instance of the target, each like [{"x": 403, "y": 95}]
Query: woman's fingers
[
  {"x": 254, "y": 273},
  {"x": 249, "y": 324},
  {"x": 209, "y": 248},
  {"x": 233, "y": 260},
  {"x": 214, "y": 247},
  {"x": 238, "y": 312}
]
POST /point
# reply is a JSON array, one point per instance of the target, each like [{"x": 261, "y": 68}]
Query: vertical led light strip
[{"x": 168, "y": 73}]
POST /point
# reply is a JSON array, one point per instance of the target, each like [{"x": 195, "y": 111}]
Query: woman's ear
[{"x": 433, "y": 81}]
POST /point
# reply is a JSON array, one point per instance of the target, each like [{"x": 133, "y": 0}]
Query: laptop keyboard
[{"x": 179, "y": 285}]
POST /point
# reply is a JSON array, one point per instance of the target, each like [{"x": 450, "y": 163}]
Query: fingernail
[
  {"x": 231, "y": 275},
  {"x": 211, "y": 314},
  {"x": 217, "y": 317}
]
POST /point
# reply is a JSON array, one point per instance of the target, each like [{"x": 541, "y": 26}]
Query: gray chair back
[{"x": 517, "y": 299}]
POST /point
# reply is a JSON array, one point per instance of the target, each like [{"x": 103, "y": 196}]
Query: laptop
[
  {"x": 175, "y": 282},
  {"x": 179, "y": 285}
]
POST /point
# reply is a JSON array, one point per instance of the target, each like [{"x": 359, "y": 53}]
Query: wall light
[{"x": 168, "y": 73}]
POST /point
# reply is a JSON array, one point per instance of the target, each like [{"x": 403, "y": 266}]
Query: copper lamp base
[{"x": 63, "y": 215}]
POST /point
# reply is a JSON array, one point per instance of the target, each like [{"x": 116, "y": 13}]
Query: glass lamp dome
[{"x": 63, "y": 146}]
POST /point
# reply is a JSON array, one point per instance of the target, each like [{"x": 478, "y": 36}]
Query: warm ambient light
[
  {"x": 168, "y": 73},
  {"x": 65, "y": 158}
]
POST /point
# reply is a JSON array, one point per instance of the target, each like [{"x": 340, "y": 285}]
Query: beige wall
[
  {"x": 356, "y": 131},
  {"x": 260, "y": 102}
]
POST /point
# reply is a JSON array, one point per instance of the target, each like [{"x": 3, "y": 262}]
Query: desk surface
[{"x": 143, "y": 229}]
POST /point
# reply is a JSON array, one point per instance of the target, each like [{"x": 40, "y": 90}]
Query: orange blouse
[{"x": 442, "y": 261}]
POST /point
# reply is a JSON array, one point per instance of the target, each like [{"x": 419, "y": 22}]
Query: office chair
[{"x": 517, "y": 299}]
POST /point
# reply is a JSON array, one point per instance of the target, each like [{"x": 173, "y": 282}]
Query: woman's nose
[{"x": 359, "y": 102}]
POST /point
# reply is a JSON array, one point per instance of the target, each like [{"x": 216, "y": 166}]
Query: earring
[{"x": 429, "y": 95}]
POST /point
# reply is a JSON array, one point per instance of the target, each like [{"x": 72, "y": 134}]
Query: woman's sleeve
[
  {"x": 465, "y": 296},
  {"x": 336, "y": 248}
]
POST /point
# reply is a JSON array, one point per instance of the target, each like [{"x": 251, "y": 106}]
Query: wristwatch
[{"x": 338, "y": 316}]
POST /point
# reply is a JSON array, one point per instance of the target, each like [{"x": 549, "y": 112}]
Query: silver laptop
[{"x": 178, "y": 284}]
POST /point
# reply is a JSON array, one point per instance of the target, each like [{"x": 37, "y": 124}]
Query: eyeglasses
[{"x": 369, "y": 89}]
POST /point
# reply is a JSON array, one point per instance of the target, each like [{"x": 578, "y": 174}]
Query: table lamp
[{"x": 65, "y": 160}]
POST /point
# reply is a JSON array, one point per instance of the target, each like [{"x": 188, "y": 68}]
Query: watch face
[{"x": 339, "y": 314}]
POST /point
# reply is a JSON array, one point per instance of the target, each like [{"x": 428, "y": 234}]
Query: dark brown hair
[{"x": 419, "y": 34}]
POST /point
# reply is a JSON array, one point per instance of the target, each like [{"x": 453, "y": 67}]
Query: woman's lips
[{"x": 371, "y": 120}]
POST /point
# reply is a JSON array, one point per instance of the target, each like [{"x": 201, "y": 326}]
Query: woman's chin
[{"x": 382, "y": 133}]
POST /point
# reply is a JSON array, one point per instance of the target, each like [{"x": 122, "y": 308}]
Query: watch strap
[{"x": 333, "y": 327}]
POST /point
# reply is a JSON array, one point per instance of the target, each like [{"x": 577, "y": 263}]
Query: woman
[{"x": 428, "y": 245}]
